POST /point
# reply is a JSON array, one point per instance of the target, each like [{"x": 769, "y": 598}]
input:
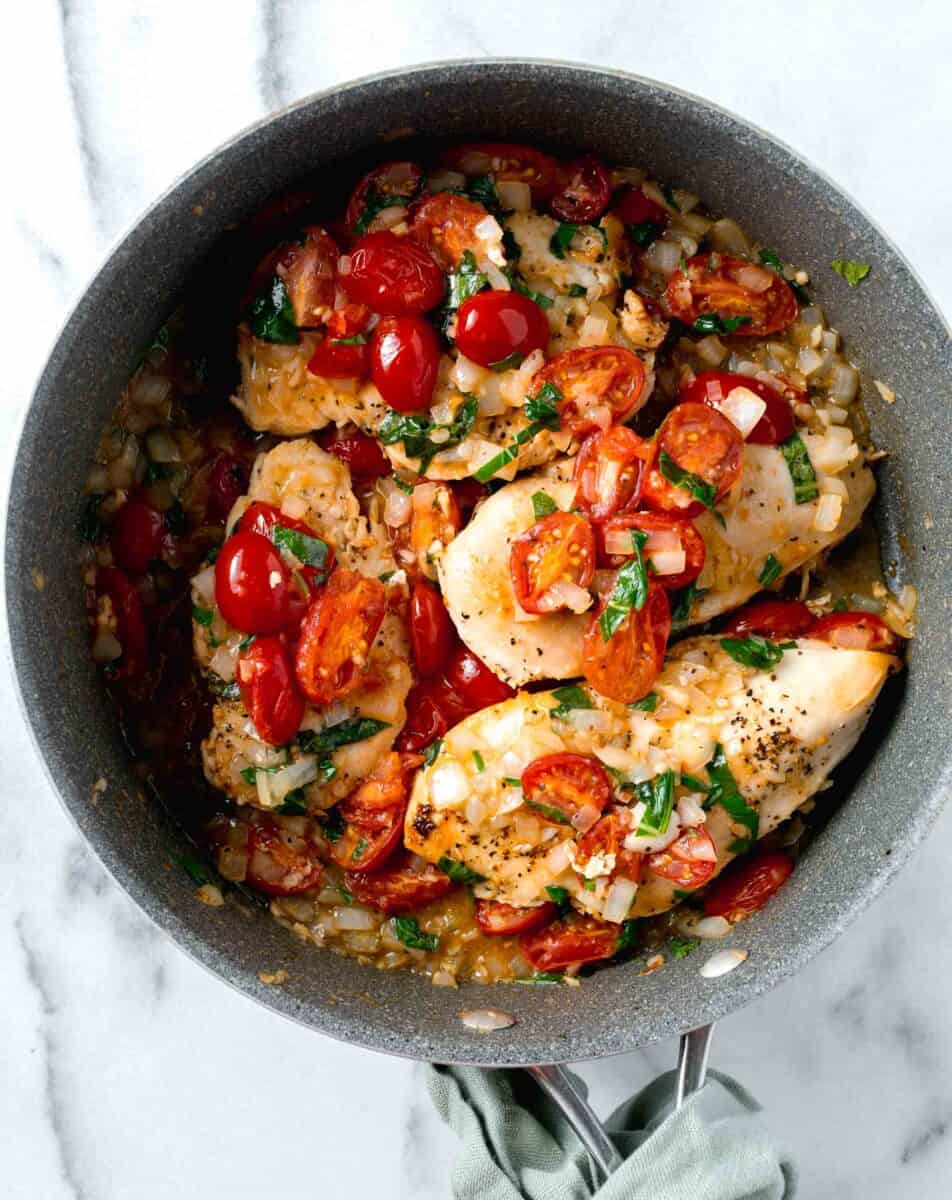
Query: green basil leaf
[
  {"x": 644, "y": 233},
  {"x": 658, "y": 797},
  {"x": 771, "y": 259},
  {"x": 805, "y": 486},
  {"x": 193, "y": 867},
  {"x": 332, "y": 823},
  {"x": 543, "y": 505},
  {"x": 628, "y": 935},
  {"x": 699, "y": 488},
  {"x": 432, "y": 751},
  {"x": 520, "y": 285},
  {"x": 465, "y": 281},
  {"x": 375, "y": 202},
  {"x": 408, "y": 931},
  {"x": 359, "y": 850},
  {"x": 326, "y": 771},
  {"x": 294, "y": 804},
  {"x": 539, "y": 977},
  {"x": 511, "y": 247},
  {"x": 630, "y": 590},
  {"x": 682, "y": 947},
  {"x": 358, "y": 339},
  {"x": 725, "y": 792},
  {"x": 311, "y": 551},
  {"x": 478, "y": 761},
  {"x": 415, "y": 431},
  {"x": 561, "y": 239},
  {"x": 222, "y": 690},
  {"x": 202, "y": 616},
  {"x": 558, "y": 895},
  {"x": 458, "y": 871},
  {"x": 542, "y": 413},
  {"x": 715, "y": 323},
  {"x": 543, "y": 406},
  {"x": 646, "y": 704},
  {"x": 570, "y": 697},
  {"x": 694, "y": 784},
  {"x": 552, "y": 814},
  {"x": 482, "y": 189},
  {"x": 356, "y": 729},
  {"x": 272, "y": 315},
  {"x": 577, "y": 290},
  {"x": 770, "y": 572},
  {"x": 509, "y": 363},
  {"x": 753, "y": 651},
  {"x": 853, "y": 272},
  {"x": 682, "y": 600}
]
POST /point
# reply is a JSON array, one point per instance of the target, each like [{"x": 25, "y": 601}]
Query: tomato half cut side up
[
  {"x": 399, "y": 889},
  {"x": 373, "y": 816},
  {"x": 393, "y": 276},
  {"x": 598, "y": 385},
  {"x": 606, "y": 837},
  {"x": 625, "y": 666},
  {"x": 567, "y": 789},
  {"x": 689, "y": 862},
  {"x": 585, "y": 188},
  {"x": 362, "y": 453},
  {"x": 856, "y": 631},
  {"x": 337, "y": 635},
  {"x": 445, "y": 224},
  {"x": 492, "y": 327},
  {"x": 731, "y": 287},
  {"x": 669, "y": 538},
  {"x": 431, "y": 630},
  {"x": 609, "y": 469},
  {"x": 711, "y": 387},
  {"x": 265, "y": 674},
  {"x": 567, "y": 944},
  {"x": 129, "y": 615},
  {"x": 701, "y": 441},
  {"x": 281, "y": 863},
  {"x": 552, "y": 563},
  {"x": 496, "y": 919},
  {"x": 747, "y": 885},
  {"x": 391, "y": 185},
  {"x": 772, "y": 619},
  {"x": 506, "y": 161}
]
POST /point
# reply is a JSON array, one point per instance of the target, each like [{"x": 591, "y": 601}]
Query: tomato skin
[
  {"x": 507, "y": 161},
  {"x": 280, "y": 863},
  {"x": 431, "y": 629},
  {"x": 608, "y": 376},
  {"x": 269, "y": 690},
  {"x": 468, "y": 493},
  {"x": 633, "y": 207},
  {"x": 399, "y": 180},
  {"x": 774, "y": 427},
  {"x": 563, "y": 944},
  {"x": 227, "y": 481},
  {"x": 373, "y": 816},
  {"x": 576, "y": 786},
  {"x": 331, "y": 360},
  {"x": 253, "y": 588},
  {"x": 362, "y": 453},
  {"x": 698, "y": 289},
  {"x": 772, "y": 619},
  {"x": 855, "y": 631},
  {"x": 584, "y": 192},
  {"x": 651, "y": 523},
  {"x": 556, "y": 549},
  {"x": 337, "y": 635},
  {"x": 136, "y": 535},
  {"x": 309, "y": 272},
  {"x": 131, "y": 628},
  {"x": 446, "y": 225},
  {"x": 399, "y": 888},
  {"x": 393, "y": 276},
  {"x": 492, "y": 326},
  {"x": 404, "y": 362},
  {"x": 747, "y": 884},
  {"x": 689, "y": 862},
  {"x": 474, "y": 683},
  {"x": 624, "y": 667},
  {"x": 701, "y": 440},
  {"x": 609, "y": 468},
  {"x": 432, "y": 708},
  {"x": 496, "y": 919}
]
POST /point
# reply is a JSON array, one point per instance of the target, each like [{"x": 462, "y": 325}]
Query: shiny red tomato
[
  {"x": 281, "y": 863},
  {"x": 343, "y": 354},
  {"x": 700, "y": 440},
  {"x": 136, "y": 535},
  {"x": 227, "y": 480},
  {"x": 362, "y": 453},
  {"x": 554, "y": 553},
  {"x": 473, "y": 682},
  {"x": 585, "y": 188},
  {"x": 625, "y": 666},
  {"x": 131, "y": 630},
  {"x": 507, "y": 161},
  {"x": 772, "y": 619},
  {"x": 496, "y": 919},
  {"x": 337, "y": 635},
  {"x": 565, "y": 944},
  {"x": 431, "y": 630},
  {"x": 496, "y": 328},
  {"x": 747, "y": 884},
  {"x": 262, "y": 517},
  {"x": 567, "y": 789},
  {"x": 373, "y": 816},
  {"x": 393, "y": 275},
  {"x": 446, "y": 225},
  {"x": 404, "y": 362},
  {"x": 729, "y": 288},
  {"x": 855, "y": 631},
  {"x": 432, "y": 709},
  {"x": 633, "y": 207},
  {"x": 688, "y": 862},
  {"x": 665, "y": 532},
  {"x": 309, "y": 272},
  {"x": 400, "y": 888},
  {"x": 393, "y": 183},
  {"x": 710, "y": 387},
  {"x": 609, "y": 468},
  {"x": 265, "y": 675},
  {"x": 597, "y": 385},
  {"x": 253, "y": 587}
]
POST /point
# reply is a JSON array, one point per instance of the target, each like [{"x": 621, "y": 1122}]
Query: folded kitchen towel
[{"x": 516, "y": 1145}]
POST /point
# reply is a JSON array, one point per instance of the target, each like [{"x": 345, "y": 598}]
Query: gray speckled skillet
[{"x": 900, "y": 772}]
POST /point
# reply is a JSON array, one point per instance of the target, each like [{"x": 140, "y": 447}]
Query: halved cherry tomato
[
  {"x": 633, "y": 207},
  {"x": 591, "y": 380},
  {"x": 129, "y": 613},
  {"x": 506, "y": 161},
  {"x": 396, "y": 182},
  {"x": 689, "y": 862},
  {"x": 473, "y": 682},
  {"x": 732, "y": 288},
  {"x": 710, "y": 387},
  {"x": 855, "y": 631},
  {"x": 567, "y": 788},
  {"x": 607, "y": 837},
  {"x": 664, "y": 531},
  {"x": 404, "y": 362},
  {"x": 431, "y": 630},
  {"x": 609, "y": 468},
  {"x": 393, "y": 275},
  {"x": 265, "y": 675},
  {"x": 339, "y": 356},
  {"x": 281, "y": 863},
  {"x": 747, "y": 885},
  {"x": 373, "y": 815},
  {"x": 584, "y": 190},
  {"x": 434, "y": 519},
  {"x": 491, "y": 327},
  {"x": 554, "y": 551},
  {"x": 503, "y": 920},
  {"x": 400, "y": 889},
  {"x": 227, "y": 481},
  {"x": 625, "y": 666},
  {"x": 446, "y": 225},
  {"x": 309, "y": 272},
  {"x": 772, "y": 619},
  {"x": 362, "y": 453},
  {"x": 564, "y": 944},
  {"x": 337, "y": 635},
  {"x": 253, "y": 587},
  {"x": 136, "y": 535},
  {"x": 701, "y": 441}
]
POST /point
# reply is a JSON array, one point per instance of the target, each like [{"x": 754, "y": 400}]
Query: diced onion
[
  {"x": 467, "y": 374},
  {"x": 272, "y": 788},
  {"x": 754, "y": 278},
  {"x": 497, "y": 280},
  {"x": 668, "y": 562},
  {"x": 663, "y": 256},
  {"x": 387, "y": 218},
  {"x": 475, "y": 810},
  {"x": 690, "y": 811},
  {"x": 344, "y": 264},
  {"x": 728, "y": 237},
  {"x": 514, "y": 194},
  {"x": 585, "y": 817},
  {"x": 565, "y": 593},
  {"x": 706, "y": 928},
  {"x": 449, "y": 785},
  {"x": 618, "y": 541},
  {"x": 711, "y": 350},
  {"x": 397, "y": 509},
  {"x": 354, "y": 917},
  {"x": 488, "y": 229},
  {"x": 559, "y": 857},
  {"x": 106, "y": 647},
  {"x": 743, "y": 408},
  {"x": 722, "y": 962},
  {"x": 594, "y": 331},
  {"x": 618, "y": 900},
  {"x": 828, "y": 513},
  {"x": 809, "y": 361},
  {"x": 845, "y": 382},
  {"x": 162, "y": 447},
  {"x": 203, "y": 586},
  {"x": 223, "y": 661}
]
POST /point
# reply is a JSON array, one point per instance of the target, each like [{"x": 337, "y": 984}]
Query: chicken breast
[{"x": 781, "y": 733}]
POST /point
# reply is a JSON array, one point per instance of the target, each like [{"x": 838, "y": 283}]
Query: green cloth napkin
[{"x": 516, "y": 1145}]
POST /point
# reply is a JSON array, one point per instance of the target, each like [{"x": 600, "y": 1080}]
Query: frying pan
[{"x": 897, "y": 777}]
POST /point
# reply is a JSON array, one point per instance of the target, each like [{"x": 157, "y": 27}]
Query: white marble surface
[{"x": 125, "y": 1070}]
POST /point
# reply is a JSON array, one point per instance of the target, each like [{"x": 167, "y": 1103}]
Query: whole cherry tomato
[
  {"x": 431, "y": 630},
  {"x": 394, "y": 276},
  {"x": 855, "y": 631},
  {"x": 373, "y": 816},
  {"x": 446, "y": 225},
  {"x": 337, "y": 635},
  {"x": 393, "y": 183},
  {"x": 281, "y": 863},
  {"x": 609, "y": 468},
  {"x": 432, "y": 709},
  {"x": 591, "y": 378},
  {"x": 710, "y": 387},
  {"x": 772, "y": 619},
  {"x": 493, "y": 328},
  {"x": 555, "y": 551},
  {"x": 507, "y": 161},
  {"x": 401, "y": 888},
  {"x": 343, "y": 354},
  {"x": 269, "y": 690},
  {"x": 689, "y": 862},
  {"x": 665, "y": 532},
  {"x": 633, "y": 207},
  {"x": 404, "y": 362},
  {"x": 584, "y": 190},
  {"x": 473, "y": 682},
  {"x": 362, "y": 453},
  {"x": 496, "y": 919},
  {"x": 567, "y": 789},
  {"x": 253, "y": 588},
  {"x": 569, "y": 943},
  {"x": 129, "y": 613},
  {"x": 227, "y": 481},
  {"x": 731, "y": 289},
  {"x": 136, "y": 535},
  {"x": 747, "y": 884},
  {"x": 624, "y": 666},
  {"x": 699, "y": 440}
]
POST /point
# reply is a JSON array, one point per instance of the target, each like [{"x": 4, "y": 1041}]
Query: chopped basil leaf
[
  {"x": 682, "y": 600},
  {"x": 224, "y": 691},
  {"x": 739, "y": 846},
  {"x": 669, "y": 196},
  {"x": 695, "y": 785},
  {"x": 715, "y": 323},
  {"x": 174, "y": 519},
  {"x": 194, "y": 868},
  {"x": 725, "y": 792},
  {"x": 644, "y": 233},
  {"x": 511, "y": 247},
  {"x": 680, "y": 894},
  {"x": 805, "y": 487},
  {"x": 853, "y": 272},
  {"x": 561, "y": 239},
  {"x": 754, "y": 651},
  {"x": 294, "y": 804},
  {"x": 406, "y": 488},
  {"x": 543, "y": 505},
  {"x": 465, "y": 281},
  {"x": 458, "y": 871},
  {"x": 356, "y": 729},
  {"x": 358, "y": 851},
  {"x": 559, "y": 895},
  {"x": 247, "y": 641},
  {"x": 842, "y": 605},
  {"x": 375, "y": 202},
  {"x": 272, "y": 315},
  {"x": 509, "y": 363},
  {"x": 647, "y": 703},
  {"x": 630, "y": 590},
  {"x": 325, "y": 768},
  {"x": 511, "y": 781},
  {"x": 311, "y": 551},
  {"x": 588, "y": 885},
  {"x": 519, "y": 285},
  {"x": 658, "y": 797},
  {"x": 249, "y": 775},
  {"x": 202, "y": 616},
  {"x": 483, "y": 191},
  {"x": 770, "y": 572},
  {"x": 539, "y": 977},
  {"x": 682, "y": 947},
  {"x": 569, "y": 697},
  {"x": 332, "y": 823},
  {"x": 478, "y": 761},
  {"x": 431, "y": 753},
  {"x": 212, "y": 557},
  {"x": 699, "y": 488},
  {"x": 771, "y": 259},
  {"x": 542, "y": 407},
  {"x": 408, "y": 931},
  {"x": 542, "y": 414},
  {"x": 358, "y": 339},
  {"x": 577, "y": 290},
  {"x": 348, "y": 896},
  {"x": 628, "y": 934},
  {"x": 416, "y": 431},
  {"x": 553, "y": 814}
]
